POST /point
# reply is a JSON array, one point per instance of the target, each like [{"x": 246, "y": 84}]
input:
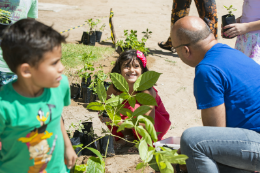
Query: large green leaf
[
  {"x": 144, "y": 134},
  {"x": 96, "y": 106},
  {"x": 145, "y": 99},
  {"x": 119, "y": 82},
  {"x": 97, "y": 153},
  {"x": 94, "y": 165},
  {"x": 124, "y": 111},
  {"x": 113, "y": 116},
  {"x": 132, "y": 101},
  {"x": 77, "y": 146},
  {"x": 124, "y": 95},
  {"x": 125, "y": 124},
  {"x": 141, "y": 110},
  {"x": 146, "y": 80},
  {"x": 80, "y": 168},
  {"x": 101, "y": 91},
  {"x": 148, "y": 126},
  {"x": 114, "y": 101},
  {"x": 143, "y": 150},
  {"x": 180, "y": 159},
  {"x": 140, "y": 165}
]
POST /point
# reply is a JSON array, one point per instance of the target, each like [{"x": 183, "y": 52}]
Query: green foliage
[
  {"x": 74, "y": 126},
  {"x": 102, "y": 27},
  {"x": 77, "y": 146},
  {"x": 5, "y": 16},
  {"x": 230, "y": 10},
  {"x": 92, "y": 24},
  {"x": 115, "y": 105},
  {"x": 131, "y": 41},
  {"x": 80, "y": 168}
]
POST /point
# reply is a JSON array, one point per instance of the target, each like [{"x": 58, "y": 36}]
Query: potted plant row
[
  {"x": 228, "y": 19},
  {"x": 93, "y": 35},
  {"x": 131, "y": 41}
]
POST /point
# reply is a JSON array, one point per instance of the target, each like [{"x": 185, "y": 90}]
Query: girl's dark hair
[{"x": 128, "y": 56}]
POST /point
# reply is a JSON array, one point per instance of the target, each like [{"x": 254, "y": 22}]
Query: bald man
[{"x": 227, "y": 90}]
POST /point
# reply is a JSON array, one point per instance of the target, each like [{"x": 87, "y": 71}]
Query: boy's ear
[{"x": 24, "y": 70}]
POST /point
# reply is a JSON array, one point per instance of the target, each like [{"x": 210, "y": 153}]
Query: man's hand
[
  {"x": 70, "y": 157},
  {"x": 215, "y": 116}
]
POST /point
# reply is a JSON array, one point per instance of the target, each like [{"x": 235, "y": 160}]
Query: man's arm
[{"x": 214, "y": 116}]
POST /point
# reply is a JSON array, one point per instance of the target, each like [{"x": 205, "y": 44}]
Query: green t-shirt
[
  {"x": 20, "y": 9},
  {"x": 30, "y": 130}
]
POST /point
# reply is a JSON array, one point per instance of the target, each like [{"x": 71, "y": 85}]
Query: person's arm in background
[
  {"x": 214, "y": 116},
  {"x": 241, "y": 28},
  {"x": 70, "y": 155},
  {"x": 33, "y": 12}
]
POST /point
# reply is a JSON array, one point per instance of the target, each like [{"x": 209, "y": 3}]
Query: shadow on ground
[{"x": 156, "y": 52}]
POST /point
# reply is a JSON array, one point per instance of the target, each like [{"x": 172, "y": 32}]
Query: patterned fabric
[
  {"x": 249, "y": 44},
  {"x": 207, "y": 10},
  {"x": 6, "y": 78}
]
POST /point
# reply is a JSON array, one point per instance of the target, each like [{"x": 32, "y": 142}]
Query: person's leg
[
  {"x": 207, "y": 10},
  {"x": 233, "y": 147},
  {"x": 180, "y": 8}
]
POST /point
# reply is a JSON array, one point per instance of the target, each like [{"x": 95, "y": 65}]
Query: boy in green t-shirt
[{"x": 31, "y": 129}]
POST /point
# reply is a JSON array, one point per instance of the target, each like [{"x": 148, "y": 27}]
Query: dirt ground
[{"x": 175, "y": 85}]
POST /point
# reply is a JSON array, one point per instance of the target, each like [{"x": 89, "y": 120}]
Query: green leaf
[
  {"x": 180, "y": 159},
  {"x": 143, "y": 150},
  {"x": 80, "y": 168},
  {"x": 125, "y": 124},
  {"x": 94, "y": 165},
  {"x": 162, "y": 165},
  {"x": 114, "y": 101},
  {"x": 132, "y": 101},
  {"x": 101, "y": 91},
  {"x": 113, "y": 116},
  {"x": 119, "y": 82},
  {"x": 141, "y": 110},
  {"x": 148, "y": 126},
  {"x": 77, "y": 146},
  {"x": 96, "y": 152},
  {"x": 124, "y": 95},
  {"x": 146, "y": 80},
  {"x": 144, "y": 134},
  {"x": 96, "y": 106},
  {"x": 145, "y": 99},
  {"x": 124, "y": 112},
  {"x": 140, "y": 165}
]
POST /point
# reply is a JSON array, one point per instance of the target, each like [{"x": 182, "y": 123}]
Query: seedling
[
  {"x": 147, "y": 34},
  {"x": 102, "y": 27},
  {"x": 5, "y": 16},
  {"x": 230, "y": 10},
  {"x": 92, "y": 24}
]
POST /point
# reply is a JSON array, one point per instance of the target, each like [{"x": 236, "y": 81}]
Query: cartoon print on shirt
[{"x": 37, "y": 144}]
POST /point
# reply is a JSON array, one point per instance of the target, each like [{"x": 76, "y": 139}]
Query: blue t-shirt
[{"x": 226, "y": 75}]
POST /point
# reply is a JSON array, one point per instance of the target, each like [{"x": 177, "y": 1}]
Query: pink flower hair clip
[{"x": 141, "y": 56}]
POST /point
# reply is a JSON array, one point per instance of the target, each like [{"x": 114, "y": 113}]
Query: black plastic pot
[
  {"x": 86, "y": 93},
  {"x": 103, "y": 145},
  {"x": 227, "y": 20},
  {"x": 3, "y": 26},
  {"x": 98, "y": 36},
  {"x": 93, "y": 97},
  {"x": 88, "y": 138},
  {"x": 92, "y": 38},
  {"x": 85, "y": 38},
  {"x": 76, "y": 140},
  {"x": 84, "y": 83},
  {"x": 75, "y": 90}
]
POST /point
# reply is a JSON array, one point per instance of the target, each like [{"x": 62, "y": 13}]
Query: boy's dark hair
[
  {"x": 128, "y": 56},
  {"x": 26, "y": 41}
]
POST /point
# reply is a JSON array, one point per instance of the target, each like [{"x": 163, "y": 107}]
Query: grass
[{"x": 72, "y": 54}]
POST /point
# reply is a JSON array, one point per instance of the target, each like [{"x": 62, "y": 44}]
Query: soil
[{"x": 175, "y": 86}]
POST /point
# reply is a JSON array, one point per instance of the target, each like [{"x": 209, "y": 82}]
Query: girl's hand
[
  {"x": 235, "y": 29},
  {"x": 70, "y": 157}
]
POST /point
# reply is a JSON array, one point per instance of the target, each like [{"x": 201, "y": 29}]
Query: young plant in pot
[
  {"x": 228, "y": 19},
  {"x": 5, "y": 20},
  {"x": 99, "y": 33},
  {"x": 92, "y": 34},
  {"x": 132, "y": 42}
]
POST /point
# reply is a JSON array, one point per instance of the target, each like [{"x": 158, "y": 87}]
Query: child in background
[
  {"x": 31, "y": 129},
  {"x": 247, "y": 30},
  {"x": 131, "y": 64}
]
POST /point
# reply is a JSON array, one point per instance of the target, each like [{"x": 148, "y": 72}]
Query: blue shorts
[{"x": 6, "y": 78}]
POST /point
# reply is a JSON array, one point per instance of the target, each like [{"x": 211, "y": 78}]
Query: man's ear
[
  {"x": 24, "y": 70},
  {"x": 187, "y": 51}
]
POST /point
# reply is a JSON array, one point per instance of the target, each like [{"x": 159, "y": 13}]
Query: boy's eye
[{"x": 55, "y": 62}]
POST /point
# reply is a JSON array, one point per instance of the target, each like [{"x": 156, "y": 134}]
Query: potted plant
[
  {"x": 132, "y": 42},
  {"x": 228, "y": 18},
  {"x": 99, "y": 33},
  {"x": 5, "y": 20}
]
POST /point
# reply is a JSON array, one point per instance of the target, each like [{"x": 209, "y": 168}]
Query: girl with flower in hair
[{"x": 131, "y": 64}]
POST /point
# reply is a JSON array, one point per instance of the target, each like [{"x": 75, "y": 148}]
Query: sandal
[{"x": 165, "y": 46}]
